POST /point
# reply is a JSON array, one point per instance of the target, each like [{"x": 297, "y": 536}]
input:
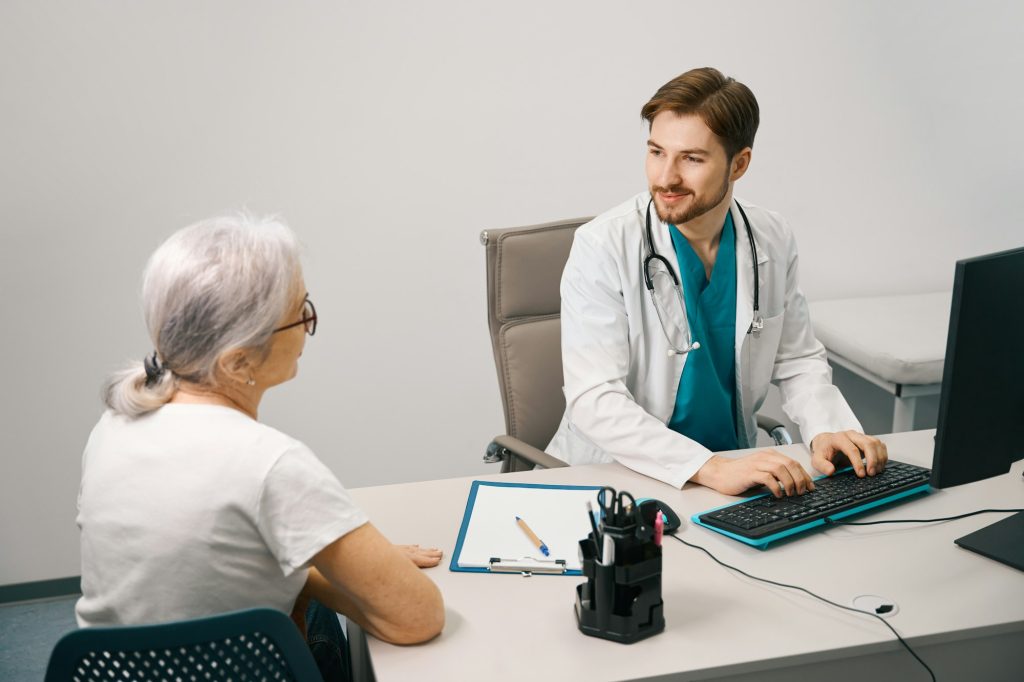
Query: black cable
[
  {"x": 806, "y": 591},
  {"x": 830, "y": 522}
]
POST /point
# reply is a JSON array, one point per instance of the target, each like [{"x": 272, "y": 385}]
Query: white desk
[{"x": 963, "y": 613}]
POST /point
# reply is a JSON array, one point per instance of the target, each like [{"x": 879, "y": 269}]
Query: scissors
[{"x": 613, "y": 506}]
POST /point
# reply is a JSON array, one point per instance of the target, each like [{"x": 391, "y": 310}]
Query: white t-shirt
[{"x": 193, "y": 510}]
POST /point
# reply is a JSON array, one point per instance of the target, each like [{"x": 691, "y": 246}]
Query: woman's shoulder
[
  {"x": 198, "y": 431},
  {"x": 229, "y": 424}
]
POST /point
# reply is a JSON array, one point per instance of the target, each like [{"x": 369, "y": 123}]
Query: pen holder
[{"x": 621, "y": 601}]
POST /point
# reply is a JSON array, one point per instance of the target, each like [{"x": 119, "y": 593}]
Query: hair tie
[{"x": 154, "y": 370}]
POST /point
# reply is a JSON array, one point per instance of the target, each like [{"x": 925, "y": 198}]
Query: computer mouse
[{"x": 672, "y": 522}]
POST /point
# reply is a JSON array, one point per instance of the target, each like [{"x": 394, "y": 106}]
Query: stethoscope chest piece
[{"x": 756, "y": 325}]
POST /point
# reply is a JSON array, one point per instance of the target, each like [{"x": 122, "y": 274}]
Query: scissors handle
[
  {"x": 607, "y": 507},
  {"x": 613, "y": 504},
  {"x": 634, "y": 514}
]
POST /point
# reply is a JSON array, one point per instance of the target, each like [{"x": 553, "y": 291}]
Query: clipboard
[{"x": 491, "y": 542}]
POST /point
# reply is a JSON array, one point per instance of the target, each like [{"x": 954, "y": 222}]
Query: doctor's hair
[
  {"x": 215, "y": 286},
  {"x": 726, "y": 106}
]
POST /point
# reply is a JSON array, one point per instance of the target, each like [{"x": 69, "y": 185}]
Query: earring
[{"x": 251, "y": 381}]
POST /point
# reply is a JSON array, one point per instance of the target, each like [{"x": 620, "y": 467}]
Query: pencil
[
  {"x": 533, "y": 537},
  {"x": 593, "y": 524}
]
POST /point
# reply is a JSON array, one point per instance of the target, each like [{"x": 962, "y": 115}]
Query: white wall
[{"x": 389, "y": 134}]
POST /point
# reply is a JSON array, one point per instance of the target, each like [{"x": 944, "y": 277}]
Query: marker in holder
[{"x": 621, "y": 599}]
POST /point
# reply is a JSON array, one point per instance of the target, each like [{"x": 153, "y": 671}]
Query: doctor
[{"x": 682, "y": 304}]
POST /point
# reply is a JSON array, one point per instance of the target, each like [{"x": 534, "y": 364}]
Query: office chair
[
  {"x": 524, "y": 269},
  {"x": 254, "y": 644}
]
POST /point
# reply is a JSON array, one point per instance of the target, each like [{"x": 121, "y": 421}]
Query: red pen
[{"x": 659, "y": 527}]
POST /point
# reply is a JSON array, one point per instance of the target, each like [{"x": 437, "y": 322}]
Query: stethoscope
[{"x": 756, "y": 325}]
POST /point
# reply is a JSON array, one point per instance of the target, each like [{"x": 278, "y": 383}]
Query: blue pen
[{"x": 533, "y": 537}]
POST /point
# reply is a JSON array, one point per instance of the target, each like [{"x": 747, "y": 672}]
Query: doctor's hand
[
  {"x": 424, "y": 557},
  {"x": 832, "y": 450},
  {"x": 780, "y": 474}
]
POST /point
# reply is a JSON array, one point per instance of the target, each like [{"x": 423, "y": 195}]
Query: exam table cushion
[{"x": 901, "y": 339}]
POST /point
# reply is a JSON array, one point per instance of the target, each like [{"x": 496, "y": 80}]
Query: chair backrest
[
  {"x": 524, "y": 268},
  {"x": 255, "y": 644}
]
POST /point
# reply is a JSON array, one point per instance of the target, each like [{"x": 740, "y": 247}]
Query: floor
[{"x": 28, "y": 632}]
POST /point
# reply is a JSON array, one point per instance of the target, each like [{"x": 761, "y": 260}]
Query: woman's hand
[{"x": 424, "y": 557}]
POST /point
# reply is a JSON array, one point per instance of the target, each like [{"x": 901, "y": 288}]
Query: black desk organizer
[{"x": 622, "y": 602}]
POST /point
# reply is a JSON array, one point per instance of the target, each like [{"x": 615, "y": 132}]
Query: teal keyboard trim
[{"x": 762, "y": 543}]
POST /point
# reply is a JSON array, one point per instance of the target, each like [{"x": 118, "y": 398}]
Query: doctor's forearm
[{"x": 709, "y": 474}]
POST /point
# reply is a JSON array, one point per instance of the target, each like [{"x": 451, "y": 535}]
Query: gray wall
[{"x": 388, "y": 134}]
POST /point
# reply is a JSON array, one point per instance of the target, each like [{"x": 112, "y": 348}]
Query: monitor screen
[{"x": 981, "y": 410}]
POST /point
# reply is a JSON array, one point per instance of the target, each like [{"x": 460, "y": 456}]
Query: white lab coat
[{"x": 620, "y": 381}]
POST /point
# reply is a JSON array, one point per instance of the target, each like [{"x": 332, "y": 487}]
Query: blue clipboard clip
[{"x": 527, "y": 566}]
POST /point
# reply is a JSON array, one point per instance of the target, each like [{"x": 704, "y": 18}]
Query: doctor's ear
[{"x": 739, "y": 164}]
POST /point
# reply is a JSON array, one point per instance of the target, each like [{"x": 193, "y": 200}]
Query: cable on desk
[
  {"x": 830, "y": 522},
  {"x": 806, "y": 591}
]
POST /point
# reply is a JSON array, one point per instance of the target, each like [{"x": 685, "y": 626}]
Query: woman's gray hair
[{"x": 212, "y": 287}]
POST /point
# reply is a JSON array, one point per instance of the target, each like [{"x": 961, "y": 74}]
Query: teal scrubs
[{"x": 705, "y": 408}]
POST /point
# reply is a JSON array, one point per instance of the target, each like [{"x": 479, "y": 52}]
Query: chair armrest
[
  {"x": 517, "y": 455},
  {"x": 775, "y": 429}
]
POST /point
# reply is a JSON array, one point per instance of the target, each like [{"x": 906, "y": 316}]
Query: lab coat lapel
[
  {"x": 745, "y": 313},
  {"x": 745, "y": 276},
  {"x": 674, "y": 314},
  {"x": 744, "y": 281}
]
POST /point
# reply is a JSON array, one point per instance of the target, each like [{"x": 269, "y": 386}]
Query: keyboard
[{"x": 761, "y": 520}]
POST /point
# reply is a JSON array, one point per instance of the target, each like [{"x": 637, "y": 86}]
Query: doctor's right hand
[{"x": 780, "y": 474}]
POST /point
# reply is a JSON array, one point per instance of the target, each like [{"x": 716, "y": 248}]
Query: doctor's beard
[{"x": 700, "y": 205}]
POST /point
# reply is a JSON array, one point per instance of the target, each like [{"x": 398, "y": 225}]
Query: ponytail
[{"x": 130, "y": 392}]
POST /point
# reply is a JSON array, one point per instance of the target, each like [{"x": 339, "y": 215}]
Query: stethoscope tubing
[{"x": 653, "y": 255}]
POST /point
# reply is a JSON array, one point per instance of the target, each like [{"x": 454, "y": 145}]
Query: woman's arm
[{"x": 375, "y": 583}]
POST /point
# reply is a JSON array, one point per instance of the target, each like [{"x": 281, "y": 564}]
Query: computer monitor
[{"x": 980, "y": 430}]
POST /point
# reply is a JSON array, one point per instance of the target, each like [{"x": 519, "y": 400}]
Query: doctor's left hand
[{"x": 832, "y": 450}]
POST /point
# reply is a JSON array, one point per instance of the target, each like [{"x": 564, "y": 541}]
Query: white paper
[{"x": 558, "y": 516}]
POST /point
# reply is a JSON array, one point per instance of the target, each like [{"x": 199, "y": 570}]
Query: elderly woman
[{"x": 189, "y": 506}]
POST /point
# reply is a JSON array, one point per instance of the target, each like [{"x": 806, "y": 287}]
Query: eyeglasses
[{"x": 308, "y": 319}]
